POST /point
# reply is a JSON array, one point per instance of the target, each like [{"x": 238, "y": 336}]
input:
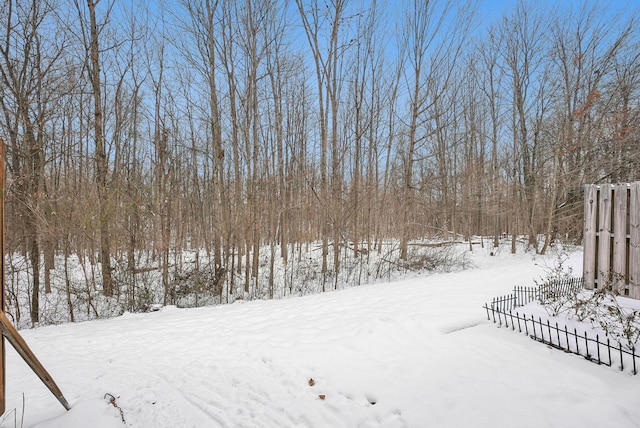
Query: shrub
[{"x": 601, "y": 307}]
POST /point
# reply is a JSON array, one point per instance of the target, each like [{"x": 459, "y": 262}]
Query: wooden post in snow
[
  {"x": 8, "y": 330},
  {"x": 12, "y": 335}
]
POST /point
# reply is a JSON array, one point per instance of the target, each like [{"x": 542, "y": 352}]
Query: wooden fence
[{"x": 612, "y": 237}]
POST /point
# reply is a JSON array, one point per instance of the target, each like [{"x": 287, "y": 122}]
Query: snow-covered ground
[{"x": 413, "y": 353}]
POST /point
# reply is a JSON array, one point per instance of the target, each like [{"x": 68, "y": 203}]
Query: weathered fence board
[
  {"x": 619, "y": 237},
  {"x": 604, "y": 233},
  {"x": 612, "y": 237},
  {"x": 590, "y": 232},
  {"x": 634, "y": 241}
]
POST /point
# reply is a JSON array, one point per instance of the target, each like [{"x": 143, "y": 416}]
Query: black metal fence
[
  {"x": 594, "y": 349},
  {"x": 524, "y": 295}
]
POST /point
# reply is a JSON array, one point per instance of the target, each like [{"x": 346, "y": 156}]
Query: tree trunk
[{"x": 101, "y": 161}]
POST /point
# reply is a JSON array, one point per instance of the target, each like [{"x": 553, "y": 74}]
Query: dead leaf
[
  {"x": 312, "y": 382},
  {"x": 322, "y": 396}
]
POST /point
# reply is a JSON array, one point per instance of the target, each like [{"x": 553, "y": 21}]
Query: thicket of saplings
[{"x": 191, "y": 279}]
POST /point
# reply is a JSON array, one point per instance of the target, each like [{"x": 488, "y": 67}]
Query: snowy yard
[{"x": 413, "y": 353}]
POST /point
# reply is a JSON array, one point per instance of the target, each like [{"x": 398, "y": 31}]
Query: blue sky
[{"x": 493, "y": 10}]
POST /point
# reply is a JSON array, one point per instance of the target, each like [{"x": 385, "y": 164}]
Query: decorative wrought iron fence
[{"x": 594, "y": 349}]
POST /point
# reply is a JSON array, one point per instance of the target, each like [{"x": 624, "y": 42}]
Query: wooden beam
[{"x": 12, "y": 335}]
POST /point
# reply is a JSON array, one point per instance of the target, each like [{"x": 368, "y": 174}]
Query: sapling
[
  {"x": 553, "y": 301},
  {"x": 553, "y": 298},
  {"x": 559, "y": 270}
]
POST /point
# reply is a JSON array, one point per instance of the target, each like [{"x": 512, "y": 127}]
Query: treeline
[{"x": 135, "y": 131}]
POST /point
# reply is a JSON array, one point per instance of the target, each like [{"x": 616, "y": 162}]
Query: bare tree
[
  {"x": 434, "y": 35},
  {"x": 29, "y": 58},
  {"x": 203, "y": 31},
  {"x": 522, "y": 51},
  {"x": 101, "y": 161},
  {"x": 490, "y": 75},
  {"x": 326, "y": 67},
  {"x": 587, "y": 54}
]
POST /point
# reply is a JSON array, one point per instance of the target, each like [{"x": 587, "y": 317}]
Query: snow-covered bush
[
  {"x": 619, "y": 323},
  {"x": 554, "y": 298},
  {"x": 438, "y": 257},
  {"x": 600, "y": 307},
  {"x": 197, "y": 286}
]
